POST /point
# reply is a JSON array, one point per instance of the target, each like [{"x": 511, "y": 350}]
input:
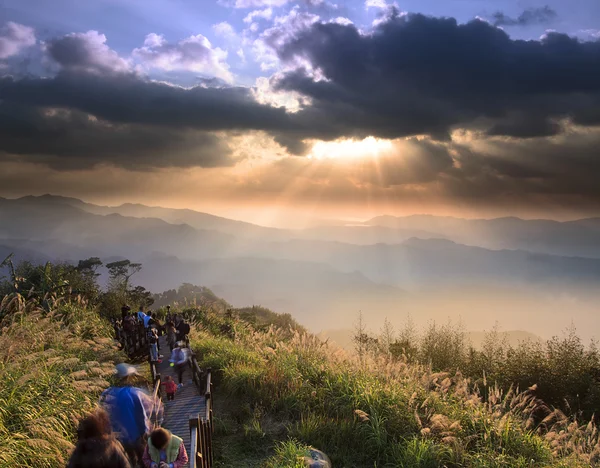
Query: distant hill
[
  {"x": 418, "y": 262},
  {"x": 45, "y": 221},
  {"x": 571, "y": 238},
  {"x": 195, "y": 219}
]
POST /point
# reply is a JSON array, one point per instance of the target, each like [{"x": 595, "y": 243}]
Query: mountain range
[{"x": 321, "y": 274}]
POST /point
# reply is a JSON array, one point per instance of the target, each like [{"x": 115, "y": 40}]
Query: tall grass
[
  {"x": 53, "y": 366},
  {"x": 385, "y": 413}
]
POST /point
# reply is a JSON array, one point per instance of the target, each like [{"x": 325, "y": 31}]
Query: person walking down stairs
[
  {"x": 130, "y": 410},
  {"x": 179, "y": 359}
]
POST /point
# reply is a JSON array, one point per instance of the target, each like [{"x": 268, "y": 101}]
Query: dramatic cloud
[
  {"x": 130, "y": 99},
  {"x": 68, "y": 140},
  {"x": 470, "y": 114},
  {"x": 530, "y": 16},
  {"x": 194, "y": 53},
  {"x": 14, "y": 38},
  {"x": 86, "y": 52},
  {"x": 285, "y": 29},
  {"x": 420, "y": 75}
]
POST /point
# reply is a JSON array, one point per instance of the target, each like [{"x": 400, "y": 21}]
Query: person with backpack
[
  {"x": 153, "y": 343},
  {"x": 129, "y": 409}
]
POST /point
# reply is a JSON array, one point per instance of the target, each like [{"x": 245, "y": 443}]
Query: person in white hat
[{"x": 129, "y": 409}]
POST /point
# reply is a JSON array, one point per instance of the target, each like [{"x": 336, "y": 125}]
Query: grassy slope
[
  {"x": 289, "y": 386},
  {"x": 53, "y": 367}
]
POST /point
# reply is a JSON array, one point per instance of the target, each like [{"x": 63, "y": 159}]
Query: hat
[
  {"x": 181, "y": 344},
  {"x": 124, "y": 370}
]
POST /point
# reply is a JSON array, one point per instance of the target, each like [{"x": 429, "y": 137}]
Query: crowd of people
[
  {"x": 174, "y": 326},
  {"x": 120, "y": 433}
]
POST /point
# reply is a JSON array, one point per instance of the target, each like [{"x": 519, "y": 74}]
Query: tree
[
  {"x": 406, "y": 343},
  {"x": 363, "y": 342},
  {"x": 121, "y": 272},
  {"x": 89, "y": 266},
  {"x": 88, "y": 276},
  {"x": 119, "y": 291},
  {"x": 13, "y": 285},
  {"x": 387, "y": 336},
  {"x": 140, "y": 296}
]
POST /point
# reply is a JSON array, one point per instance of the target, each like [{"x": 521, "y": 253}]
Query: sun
[{"x": 370, "y": 147}]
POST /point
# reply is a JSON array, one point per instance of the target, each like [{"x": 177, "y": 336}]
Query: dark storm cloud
[
  {"x": 422, "y": 75},
  {"x": 67, "y": 140},
  {"x": 562, "y": 170},
  {"x": 124, "y": 120},
  {"x": 530, "y": 16},
  {"x": 126, "y": 98}
]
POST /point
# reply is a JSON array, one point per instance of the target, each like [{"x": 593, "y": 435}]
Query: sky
[{"x": 278, "y": 111}]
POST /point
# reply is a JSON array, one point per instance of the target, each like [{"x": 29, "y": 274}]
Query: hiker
[
  {"x": 128, "y": 323},
  {"x": 146, "y": 319},
  {"x": 164, "y": 450},
  {"x": 171, "y": 335},
  {"x": 96, "y": 445},
  {"x": 125, "y": 311},
  {"x": 117, "y": 328},
  {"x": 179, "y": 358},
  {"x": 182, "y": 328},
  {"x": 129, "y": 409},
  {"x": 141, "y": 314},
  {"x": 169, "y": 317},
  {"x": 170, "y": 387},
  {"x": 153, "y": 343}
]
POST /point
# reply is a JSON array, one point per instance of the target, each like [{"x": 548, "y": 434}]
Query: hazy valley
[{"x": 388, "y": 267}]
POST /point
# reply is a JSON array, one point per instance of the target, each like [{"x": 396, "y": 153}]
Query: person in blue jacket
[{"x": 130, "y": 410}]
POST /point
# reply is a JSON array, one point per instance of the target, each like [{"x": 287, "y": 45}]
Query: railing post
[
  {"x": 209, "y": 449},
  {"x": 195, "y": 456}
]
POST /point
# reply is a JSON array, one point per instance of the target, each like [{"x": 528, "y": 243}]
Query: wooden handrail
[
  {"x": 193, "y": 456},
  {"x": 208, "y": 390},
  {"x": 157, "y": 383}
]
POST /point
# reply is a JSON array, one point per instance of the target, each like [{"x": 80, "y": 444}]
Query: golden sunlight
[{"x": 349, "y": 149}]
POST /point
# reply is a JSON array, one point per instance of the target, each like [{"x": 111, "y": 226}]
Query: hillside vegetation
[
  {"x": 54, "y": 363},
  {"x": 397, "y": 403},
  {"x": 287, "y": 389}
]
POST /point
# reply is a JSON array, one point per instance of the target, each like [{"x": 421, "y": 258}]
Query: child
[
  {"x": 164, "y": 450},
  {"x": 170, "y": 387}
]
